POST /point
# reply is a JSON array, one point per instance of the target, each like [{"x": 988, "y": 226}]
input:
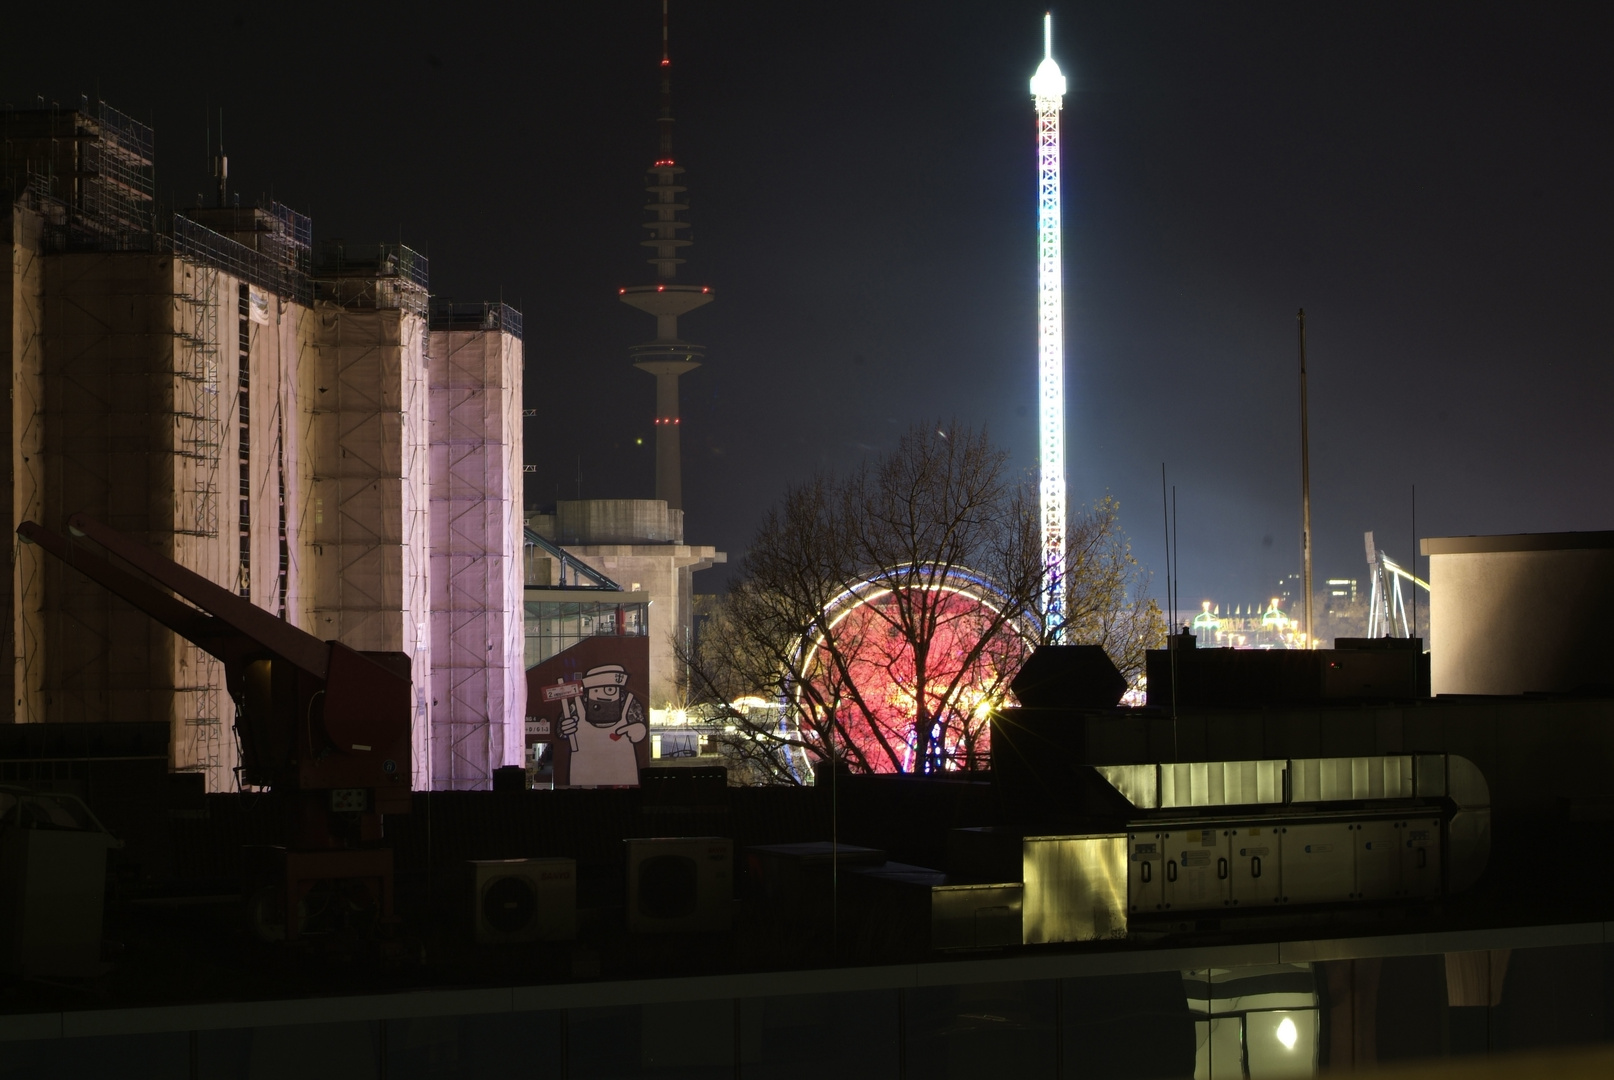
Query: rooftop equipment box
[
  {"x": 901, "y": 912},
  {"x": 1359, "y": 669},
  {"x": 680, "y": 885},
  {"x": 517, "y": 900}
]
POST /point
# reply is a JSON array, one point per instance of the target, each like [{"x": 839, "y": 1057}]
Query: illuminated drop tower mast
[
  {"x": 668, "y": 356},
  {"x": 1048, "y": 88}
]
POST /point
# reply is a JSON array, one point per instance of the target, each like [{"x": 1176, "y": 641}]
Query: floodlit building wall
[
  {"x": 22, "y": 326},
  {"x": 136, "y": 404},
  {"x": 478, "y": 675},
  {"x": 639, "y": 544},
  {"x": 364, "y": 523},
  {"x": 126, "y": 403},
  {"x": 1479, "y": 584},
  {"x": 281, "y": 347}
]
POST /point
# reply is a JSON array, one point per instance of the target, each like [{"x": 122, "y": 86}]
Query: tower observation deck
[{"x": 667, "y": 356}]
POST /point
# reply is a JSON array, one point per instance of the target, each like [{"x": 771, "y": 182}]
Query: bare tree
[{"x": 879, "y": 617}]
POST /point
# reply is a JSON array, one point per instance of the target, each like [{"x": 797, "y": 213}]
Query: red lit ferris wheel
[{"x": 904, "y": 667}]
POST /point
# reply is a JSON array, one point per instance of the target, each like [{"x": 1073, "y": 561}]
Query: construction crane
[
  {"x": 1387, "y": 608},
  {"x": 325, "y": 729}
]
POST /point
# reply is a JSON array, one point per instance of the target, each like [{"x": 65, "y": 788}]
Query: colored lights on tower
[{"x": 1048, "y": 89}]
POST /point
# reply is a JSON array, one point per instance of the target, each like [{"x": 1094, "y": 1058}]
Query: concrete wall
[
  {"x": 666, "y": 573},
  {"x": 1516, "y": 621},
  {"x": 478, "y": 676},
  {"x": 639, "y": 544},
  {"x": 364, "y": 528},
  {"x": 617, "y": 521}
]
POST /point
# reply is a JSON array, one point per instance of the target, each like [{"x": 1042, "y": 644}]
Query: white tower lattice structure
[{"x": 1048, "y": 90}]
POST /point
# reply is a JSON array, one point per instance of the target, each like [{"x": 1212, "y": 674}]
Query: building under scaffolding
[
  {"x": 478, "y": 685},
  {"x": 262, "y": 417}
]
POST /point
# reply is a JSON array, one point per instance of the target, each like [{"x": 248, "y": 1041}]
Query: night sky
[{"x": 1430, "y": 181}]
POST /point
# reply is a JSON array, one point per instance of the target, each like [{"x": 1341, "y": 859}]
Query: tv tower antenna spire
[
  {"x": 1048, "y": 91},
  {"x": 667, "y": 356}
]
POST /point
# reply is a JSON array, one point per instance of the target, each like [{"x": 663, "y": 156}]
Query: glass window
[
  {"x": 467, "y": 1047},
  {"x": 1401, "y": 1013},
  {"x": 850, "y": 1036},
  {"x": 138, "y": 1057},
  {"x": 347, "y": 1051},
  {"x": 1550, "y": 997},
  {"x": 1130, "y": 1026},
  {"x": 981, "y": 1029},
  {"x": 676, "y": 1040}
]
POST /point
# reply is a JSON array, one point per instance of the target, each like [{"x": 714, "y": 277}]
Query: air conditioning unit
[
  {"x": 680, "y": 885},
  {"x": 524, "y": 900}
]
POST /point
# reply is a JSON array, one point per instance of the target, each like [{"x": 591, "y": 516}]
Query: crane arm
[
  {"x": 195, "y": 626},
  {"x": 240, "y": 615}
]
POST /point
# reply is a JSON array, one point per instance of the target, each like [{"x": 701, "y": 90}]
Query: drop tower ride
[
  {"x": 1048, "y": 91},
  {"x": 667, "y": 356}
]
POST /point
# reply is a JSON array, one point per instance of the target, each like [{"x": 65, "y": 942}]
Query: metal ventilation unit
[
  {"x": 682, "y": 885},
  {"x": 516, "y": 900},
  {"x": 1241, "y": 834}
]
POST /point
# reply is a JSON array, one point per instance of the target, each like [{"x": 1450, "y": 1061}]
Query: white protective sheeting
[
  {"x": 478, "y": 675},
  {"x": 364, "y": 531}
]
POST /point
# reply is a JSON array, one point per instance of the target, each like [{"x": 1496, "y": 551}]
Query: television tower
[
  {"x": 1048, "y": 90},
  {"x": 667, "y": 356}
]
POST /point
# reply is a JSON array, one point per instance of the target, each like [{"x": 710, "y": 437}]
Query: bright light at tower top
[
  {"x": 1048, "y": 82},
  {"x": 1048, "y": 90}
]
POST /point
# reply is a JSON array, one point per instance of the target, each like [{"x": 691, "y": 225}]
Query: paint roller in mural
[{"x": 590, "y": 709}]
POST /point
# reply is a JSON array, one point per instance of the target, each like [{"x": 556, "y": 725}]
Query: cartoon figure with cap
[{"x": 603, "y": 732}]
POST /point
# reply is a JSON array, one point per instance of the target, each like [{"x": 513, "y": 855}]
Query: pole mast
[
  {"x": 1048, "y": 90},
  {"x": 1305, "y": 484}
]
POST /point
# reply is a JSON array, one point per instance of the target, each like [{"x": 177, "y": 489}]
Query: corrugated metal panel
[
  {"x": 1350, "y": 778},
  {"x": 1221, "y": 783}
]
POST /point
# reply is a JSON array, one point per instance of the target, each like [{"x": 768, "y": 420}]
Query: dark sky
[{"x": 1430, "y": 181}]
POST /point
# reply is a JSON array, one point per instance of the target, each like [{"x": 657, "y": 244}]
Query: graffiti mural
[{"x": 588, "y": 706}]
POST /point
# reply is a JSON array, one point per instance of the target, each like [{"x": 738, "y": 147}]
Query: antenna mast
[
  {"x": 1048, "y": 90},
  {"x": 1305, "y": 484},
  {"x": 667, "y": 356}
]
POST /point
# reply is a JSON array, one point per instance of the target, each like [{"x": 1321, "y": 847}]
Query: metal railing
[
  {"x": 489, "y": 315},
  {"x": 197, "y": 242}
]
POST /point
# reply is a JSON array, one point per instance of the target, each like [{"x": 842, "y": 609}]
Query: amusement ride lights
[{"x": 1048, "y": 89}]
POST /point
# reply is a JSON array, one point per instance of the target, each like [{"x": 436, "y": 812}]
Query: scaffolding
[
  {"x": 364, "y": 518},
  {"x": 197, "y": 442},
  {"x": 488, "y": 315},
  {"x": 151, "y": 369},
  {"x": 477, "y": 676},
  {"x": 94, "y": 164},
  {"x": 196, "y": 404},
  {"x": 119, "y": 185},
  {"x": 381, "y": 276}
]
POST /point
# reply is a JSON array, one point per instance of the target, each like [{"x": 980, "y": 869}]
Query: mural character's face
[{"x": 604, "y": 705}]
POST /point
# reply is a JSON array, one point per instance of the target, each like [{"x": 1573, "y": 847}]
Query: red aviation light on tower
[{"x": 668, "y": 356}]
